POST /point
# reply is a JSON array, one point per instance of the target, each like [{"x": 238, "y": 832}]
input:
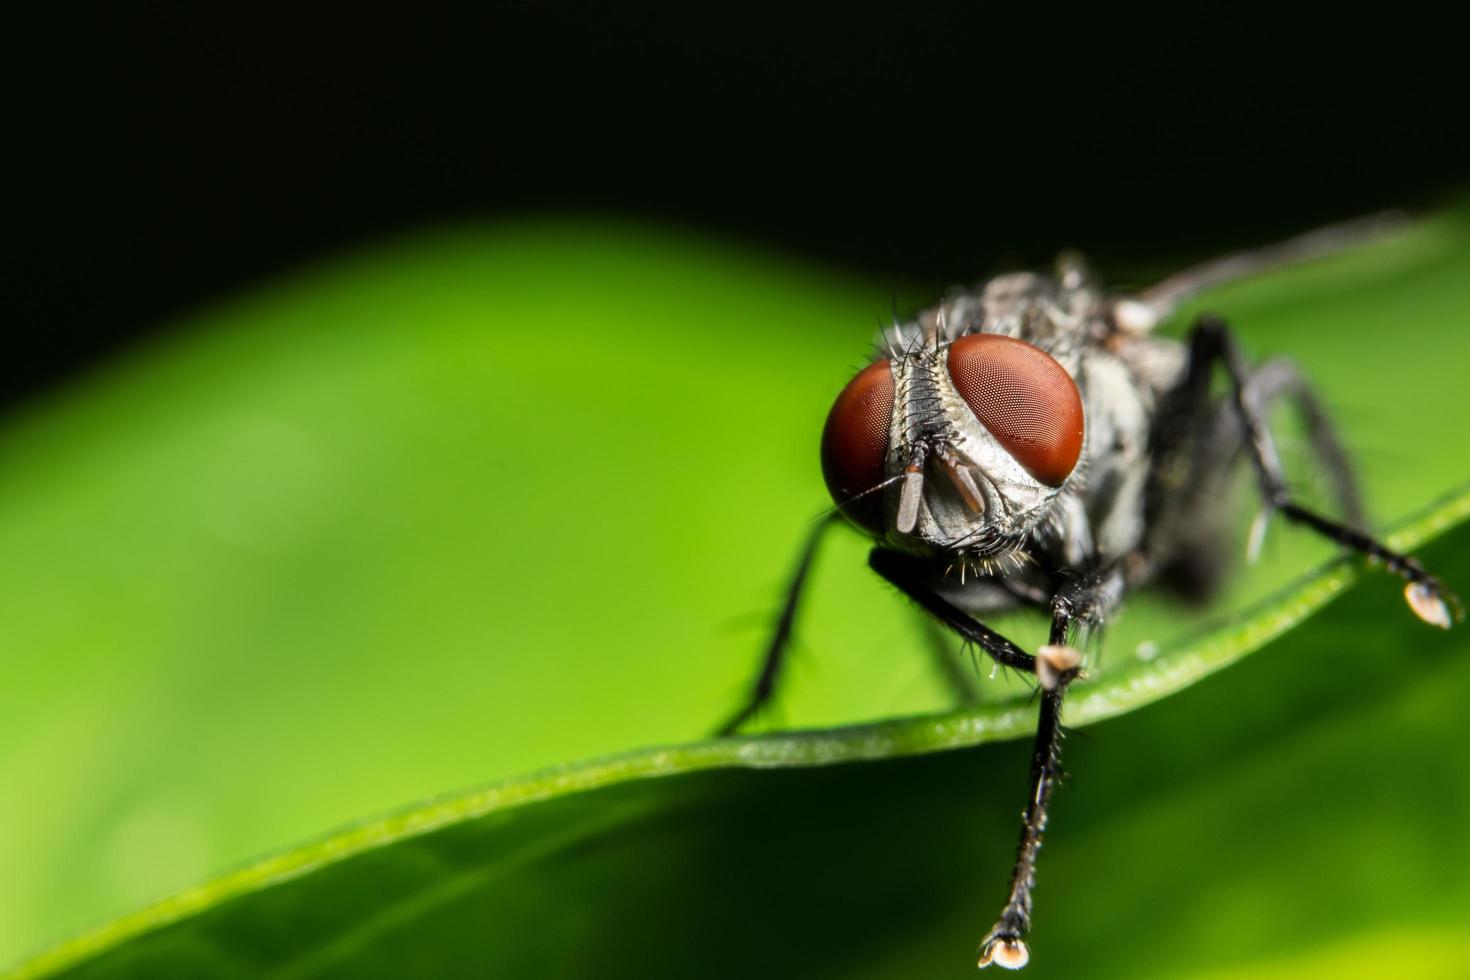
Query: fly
[{"x": 1034, "y": 443}]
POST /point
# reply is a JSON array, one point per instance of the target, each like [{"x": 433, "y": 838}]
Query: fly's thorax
[{"x": 1123, "y": 386}]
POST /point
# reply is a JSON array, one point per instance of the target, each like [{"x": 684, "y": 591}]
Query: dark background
[{"x": 171, "y": 153}]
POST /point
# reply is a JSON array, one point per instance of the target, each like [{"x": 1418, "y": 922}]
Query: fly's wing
[{"x": 1141, "y": 312}]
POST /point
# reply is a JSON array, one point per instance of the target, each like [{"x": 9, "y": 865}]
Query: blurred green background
[{"x": 493, "y": 498}]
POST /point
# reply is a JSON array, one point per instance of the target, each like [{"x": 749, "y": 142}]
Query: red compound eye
[
  {"x": 855, "y": 445},
  {"x": 1024, "y": 398}
]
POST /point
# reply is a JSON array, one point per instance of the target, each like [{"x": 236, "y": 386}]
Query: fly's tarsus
[
  {"x": 1212, "y": 341},
  {"x": 1004, "y": 950},
  {"x": 1428, "y": 600}
]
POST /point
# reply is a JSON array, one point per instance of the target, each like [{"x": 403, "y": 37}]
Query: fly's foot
[
  {"x": 1054, "y": 661},
  {"x": 1004, "y": 950},
  {"x": 1430, "y": 604}
]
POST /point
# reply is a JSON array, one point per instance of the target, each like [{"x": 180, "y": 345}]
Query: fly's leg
[
  {"x": 1211, "y": 341},
  {"x": 763, "y": 689},
  {"x": 764, "y": 686},
  {"x": 1215, "y": 437},
  {"x": 1196, "y": 448},
  {"x": 1085, "y": 599},
  {"x": 1005, "y": 944},
  {"x": 961, "y": 677},
  {"x": 911, "y": 577},
  {"x": 1280, "y": 379}
]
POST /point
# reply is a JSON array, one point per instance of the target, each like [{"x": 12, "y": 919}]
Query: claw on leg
[
  {"x": 1428, "y": 604},
  {"x": 1004, "y": 951},
  {"x": 1054, "y": 661}
]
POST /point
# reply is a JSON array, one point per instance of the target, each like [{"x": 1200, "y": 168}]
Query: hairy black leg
[
  {"x": 1005, "y": 944},
  {"x": 957, "y": 675},
  {"x": 1195, "y": 446},
  {"x": 912, "y": 577},
  {"x": 1088, "y": 599},
  {"x": 1279, "y": 378},
  {"x": 764, "y": 687},
  {"x": 1217, "y": 438},
  {"x": 1211, "y": 341},
  {"x": 1083, "y": 599}
]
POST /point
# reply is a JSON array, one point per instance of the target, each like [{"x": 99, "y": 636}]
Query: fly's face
[{"x": 958, "y": 446}]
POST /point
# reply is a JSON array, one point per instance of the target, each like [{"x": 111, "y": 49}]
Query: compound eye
[
  {"x": 855, "y": 445},
  {"x": 1024, "y": 398}
]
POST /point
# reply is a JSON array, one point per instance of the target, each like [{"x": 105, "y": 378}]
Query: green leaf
[
  {"x": 492, "y": 500},
  {"x": 1293, "y": 810}
]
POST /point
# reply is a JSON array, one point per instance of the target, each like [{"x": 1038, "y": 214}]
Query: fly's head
[{"x": 955, "y": 447}]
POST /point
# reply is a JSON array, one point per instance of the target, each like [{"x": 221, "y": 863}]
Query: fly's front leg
[
  {"x": 960, "y": 677},
  {"x": 1085, "y": 600},
  {"x": 1005, "y": 944},
  {"x": 1211, "y": 341},
  {"x": 911, "y": 576},
  {"x": 1056, "y": 665},
  {"x": 763, "y": 689}
]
